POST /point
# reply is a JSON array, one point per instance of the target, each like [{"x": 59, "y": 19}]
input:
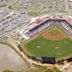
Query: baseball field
[{"x": 51, "y": 43}]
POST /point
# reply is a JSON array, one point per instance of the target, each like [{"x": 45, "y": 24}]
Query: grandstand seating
[{"x": 50, "y": 22}]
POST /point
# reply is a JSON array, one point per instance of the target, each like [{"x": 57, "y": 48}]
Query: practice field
[{"x": 42, "y": 46}]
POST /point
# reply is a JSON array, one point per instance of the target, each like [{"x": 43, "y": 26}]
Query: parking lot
[{"x": 10, "y": 22}]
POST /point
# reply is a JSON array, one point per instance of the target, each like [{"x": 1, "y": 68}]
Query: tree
[{"x": 7, "y": 71}]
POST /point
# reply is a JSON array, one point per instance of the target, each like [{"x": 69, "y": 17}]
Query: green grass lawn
[
  {"x": 43, "y": 47},
  {"x": 40, "y": 46},
  {"x": 34, "y": 13},
  {"x": 56, "y": 69},
  {"x": 42, "y": 69},
  {"x": 49, "y": 70},
  {"x": 53, "y": 70},
  {"x": 54, "y": 32}
]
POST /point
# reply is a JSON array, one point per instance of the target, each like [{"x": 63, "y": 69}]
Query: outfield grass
[{"x": 40, "y": 46}]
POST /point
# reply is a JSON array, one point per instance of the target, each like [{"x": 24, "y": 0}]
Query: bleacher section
[{"x": 50, "y": 22}]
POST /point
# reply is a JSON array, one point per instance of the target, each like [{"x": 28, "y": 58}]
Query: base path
[{"x": 53, "y": 37}]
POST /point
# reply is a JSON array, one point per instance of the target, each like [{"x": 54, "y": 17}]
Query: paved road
[{"x": 9, "y": 59}]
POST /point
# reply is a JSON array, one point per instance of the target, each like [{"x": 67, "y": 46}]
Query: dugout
[{"x": 49, "y": 60}]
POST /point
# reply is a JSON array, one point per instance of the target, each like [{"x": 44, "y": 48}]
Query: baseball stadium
[
  {"x": 50, "y": 39},
  {"x": 35, "y": 35}
]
